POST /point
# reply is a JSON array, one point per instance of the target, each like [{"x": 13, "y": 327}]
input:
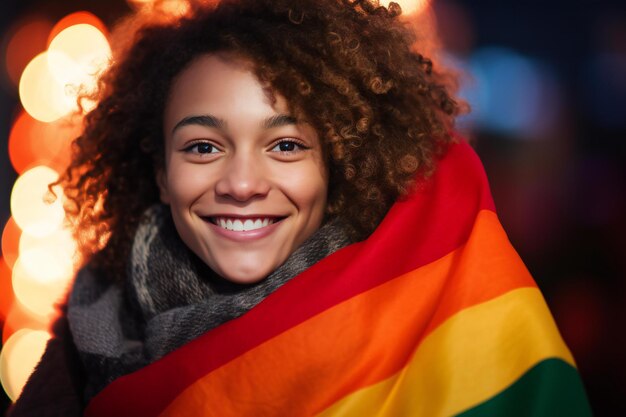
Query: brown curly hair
[{"x": 349, "y": 67}]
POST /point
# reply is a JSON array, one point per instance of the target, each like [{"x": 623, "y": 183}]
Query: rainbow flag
[{"x": 433, "y": 315}]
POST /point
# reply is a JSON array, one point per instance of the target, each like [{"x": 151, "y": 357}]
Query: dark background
[{"x": 548, "y": 87}]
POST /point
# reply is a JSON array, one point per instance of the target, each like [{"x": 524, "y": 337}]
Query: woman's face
[{"x": 245, "y": 180}]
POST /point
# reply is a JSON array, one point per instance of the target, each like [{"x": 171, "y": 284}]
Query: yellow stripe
[{"x": 468, "y": 359}]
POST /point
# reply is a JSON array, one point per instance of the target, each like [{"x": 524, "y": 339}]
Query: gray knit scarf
[{"x": 169, "y": 298}]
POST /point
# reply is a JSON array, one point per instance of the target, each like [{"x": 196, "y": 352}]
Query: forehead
[{"x": 223, "y": 84}]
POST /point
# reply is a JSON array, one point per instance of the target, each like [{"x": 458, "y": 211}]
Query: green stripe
[{"x": 552, "y": 388}]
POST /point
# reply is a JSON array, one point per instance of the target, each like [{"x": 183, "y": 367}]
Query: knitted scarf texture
[{"x": 168, "y": 298}]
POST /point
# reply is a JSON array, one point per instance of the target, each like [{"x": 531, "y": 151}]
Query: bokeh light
[
  {"x": 412, "y": 6},
  {"x": 25, "y": 42},
  {"x": 512, "y": 94},
  {"x": 32, "y": 142},
  {"x": 174, "y": 7},
  {"x": 44, "y": 263},
  {"x": 41, "y": 94},
  {"x": 76, "y": 56},
  {"x": 53, "y": 80},
  {"x": 31, "y": 204},
  {"x": 140, "y": 3},
  {"x": 19, "y": 317},
  {"x": 82, "y": 43},
  {"x": 40, "y": 281},
  {"x": 19, "y": 357},
  {"x": 38, "y": 254},
  {"x": 6, "y": 290},
  {"x": 77, "y": 18},
  {"x": 10, "y": 242},
  {"x": 60, "y": 244}
]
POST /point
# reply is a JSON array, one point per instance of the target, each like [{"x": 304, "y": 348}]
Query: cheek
[
  {"x": 308, "y": 188},
  {"x": 186, "y": 182}
]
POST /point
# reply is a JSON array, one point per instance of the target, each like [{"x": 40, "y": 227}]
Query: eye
[
  {"x": 201, "y": 148},
  {"x": 289, "y": 146}
]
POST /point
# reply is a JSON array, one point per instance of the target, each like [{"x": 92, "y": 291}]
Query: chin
[{"x": 244, "y": 275}]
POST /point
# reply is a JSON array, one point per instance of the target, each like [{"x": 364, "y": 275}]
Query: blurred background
[{"x": 546, "y": 82}]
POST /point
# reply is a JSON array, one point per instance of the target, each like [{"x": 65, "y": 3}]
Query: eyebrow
[
  {"x": 279, "y": 120},
  {"x": 202, "y": 120},
  {"x": 211, "y": 121}
]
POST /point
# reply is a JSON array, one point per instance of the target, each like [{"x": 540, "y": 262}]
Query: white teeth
[{"x": 239, "y": 226}]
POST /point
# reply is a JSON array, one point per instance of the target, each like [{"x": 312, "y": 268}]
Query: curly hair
[{"x": 349, "y": 67}]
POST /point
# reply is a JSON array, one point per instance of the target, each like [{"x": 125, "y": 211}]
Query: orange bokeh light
[
  {"x": 53, "y": 80},
  {"x": 77, "y": 18},
  {"x": 41, "y": 94},
  {"x": 60, "y": 245},
  {"x": 33, "y": 207},
  {"x": 76, "y": 56},
  {"x": 40, "y": 287},
  {"x": 27, "y": 40},
  {"x": 6, "y": 290},
  {"x": 176, "y": 7},
  {"x": 173, "y": 7},
  {"x": 32, "y": 142},
  {"x": 10, "y": 242},
  {"x": 19, "y": 357},
  {"x": 20, "y": 318},
  {"x": 82, "y": 43},
  {"x": 413, "y": 6}
]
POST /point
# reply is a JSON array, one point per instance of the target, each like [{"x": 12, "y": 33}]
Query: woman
[{"x": 235, "y": 157}]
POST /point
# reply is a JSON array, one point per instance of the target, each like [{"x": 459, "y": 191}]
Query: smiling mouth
[{"x": 244, "y": 225}]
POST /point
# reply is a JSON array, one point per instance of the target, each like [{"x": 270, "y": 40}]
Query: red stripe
[{"x": 433, "y": 222}]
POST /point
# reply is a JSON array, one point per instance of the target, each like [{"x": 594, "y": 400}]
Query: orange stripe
[
  {"x": 360, "y": 341},
  {"x": 473, "y": 356}
]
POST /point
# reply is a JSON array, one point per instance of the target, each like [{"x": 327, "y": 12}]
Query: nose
[{"x": 243, "y": 178}]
